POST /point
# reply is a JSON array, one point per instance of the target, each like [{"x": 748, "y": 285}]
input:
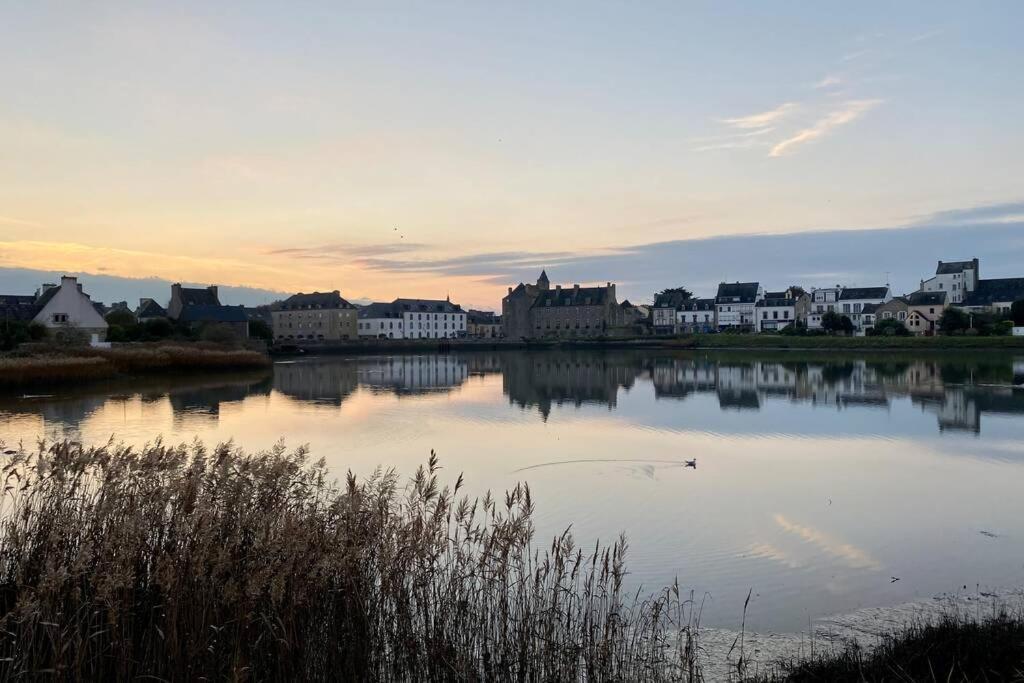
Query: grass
[
  {"x": 773, "y": 341},
  {"x": 182, "y": 563},
  {"x": 55, "y": 365},
  {"x": 954, "y": 650}
]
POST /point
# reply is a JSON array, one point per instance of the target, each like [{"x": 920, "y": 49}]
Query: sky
[{"x": 437, "y": 149}]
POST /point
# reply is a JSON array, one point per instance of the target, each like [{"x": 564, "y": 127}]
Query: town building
[
  {"x": 697, "y": 316},
  {"x": 200, "y": 307},
  {"x": 150, "y": 310},
  {"x": 483, "y": 324},
  {"x": 924, "y": 310},
  {"x": 666, "y": 308},
  {"x": 431, "y": 318},
  {"x": 575, "y": 312},
  {"x": 957, "y": 278},
  {"x": 778, "y": 310},
  {"x": 61, "y": 309},
  {"x": 823, "y": 300},
  {"x": 320, "y": 316},
  {"x": 735, "y": 303},
  {"x": 995, "y": 295},
  {"x": 895, "y": 308},
  {"x": 381, "y": 321},
  {"x": 852, "y": 301},
  {"x": 516, "y": 305}
]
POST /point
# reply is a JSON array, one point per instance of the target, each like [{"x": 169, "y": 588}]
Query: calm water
[{"x": 818, "y": 479}]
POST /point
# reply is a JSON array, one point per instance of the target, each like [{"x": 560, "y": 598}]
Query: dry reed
[{"x": 184, "y": 563}]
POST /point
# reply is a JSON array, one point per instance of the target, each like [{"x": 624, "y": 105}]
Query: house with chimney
[
  {"x": 957, "y": 278},
  {"x": 735, "y": 303},
  {"x": 924, "y": 309},
  {"x": 59, "y": 308},
  {"x": 319, "y": 316},
  {"x": 778, "y": 310},
  {"x": 516, "y": 305},
  {"x": 573, "y": 312},
  {"x": 199, "y": 307}
]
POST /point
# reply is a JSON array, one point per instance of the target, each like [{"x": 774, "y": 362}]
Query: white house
[
  {"x": 778, "y": 310},
  {"x": 431, "y": 318},
  {"x": 67, "y": 307},
  {"x": 381, "y": 321},
  {"x": 823, "y": 300},
  {"x": 696, "y": 315},
  {"x": 735, "y": 302},
  {"x": 957, "y": 278},
  {"x": 848, "y": 301}
]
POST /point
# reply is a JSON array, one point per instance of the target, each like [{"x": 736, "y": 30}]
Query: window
[
  {"x": 775, "y": 315},
  {"x": 846, "y": 308},
  {"x": 60, "y": 317}
]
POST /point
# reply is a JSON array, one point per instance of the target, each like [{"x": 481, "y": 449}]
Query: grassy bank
[
  {"x": 181, "y": 564},
  {"x": 954, "y": 649},
  {"x": 66, "y": 365},
  {"x": 771, "y": 341}
]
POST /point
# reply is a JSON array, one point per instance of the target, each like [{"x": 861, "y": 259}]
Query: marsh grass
[
  {"x": 180, "y": 563},
  {"x": 54, "y": 365}
]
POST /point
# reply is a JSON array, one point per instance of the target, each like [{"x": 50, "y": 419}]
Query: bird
[
  {"x": 691, "y": 463},
  {"x": 894, "y": 579}
]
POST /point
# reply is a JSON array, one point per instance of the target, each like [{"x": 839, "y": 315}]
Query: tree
[
  {"x": 674, "y": 293},
  {"x": 833, "y": 322},
  {"x": 1017, "y": 312},
  {"x": 219, "y": 334},
  {"x": 260, "y": 330},
  {"x": 120, "y": 317},
  {"x": 953, "y": 320},
  {"x": 156, "y": 329},
  {"x": 889, "y": 327}
]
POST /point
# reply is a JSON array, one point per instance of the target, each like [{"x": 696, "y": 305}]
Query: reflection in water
[{"x": 820, "y": 476}]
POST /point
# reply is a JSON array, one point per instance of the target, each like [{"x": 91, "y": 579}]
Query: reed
[
  {"x": 181, "y": 563},
  {"x": 55, "y": 364}
]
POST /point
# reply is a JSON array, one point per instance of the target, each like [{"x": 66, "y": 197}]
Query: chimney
[
  {"x": 558, "y": 288},
  {"x": 213, "y": 290},
  {"x": 576, "y": 289},
  {"x": 510, "y": 291}
]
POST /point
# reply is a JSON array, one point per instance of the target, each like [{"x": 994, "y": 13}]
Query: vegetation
[
  {"x": 178, "y": 563},
  {"x": 889, "y": 327},
  {"x": 955, "y": 649},
  {"x": 13, "y": 333},
  {"x": 674, "y": 293},
  {"x": 1017, "y": 312},
  {"x": 833, "y": 323},
  {"x": 823, "y": 342},
  {"x": 59, "y": 364}
]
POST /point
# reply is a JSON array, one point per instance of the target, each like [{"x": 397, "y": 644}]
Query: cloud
[
  {"x": 746, "y": 139},
  {"x": 828, "y": 81},
  {"x": 10, "y": 220},
  {"x": 927, "y": 35},
  {"x": 851, "y": 111},
  {"x": 851, "y": 555},
  {"x": 346, "y": 252},
  {"x": 762, "y": 119},
  {"x": 988, "y": 213}
]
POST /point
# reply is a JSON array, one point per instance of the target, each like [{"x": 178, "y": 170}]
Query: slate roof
[
  {"x": 150, "y": 309},
  {"x": 868, "y": 309},
  {"x": 426, "y": 305},
  {"x": 45, "y": 297},
  {"x": 950, "y": 267},
  {"x": 18, "y": 307},
  {"x": 321, "y": 300},
  {"x": 698, "y": 305},
  {"x": 995, "y": 290},
  {"x": 379, "y": 310},
  {"x": 482, "y": 317},
  {"x": 775, "y": 301},
  {"x": 851, "y": 293},
  {"x": 737, "y": 292},
  {"x": 195, "y": 296},
  {"x": 571, "y": 296},
  {"x": 927, "y": 299},
  {"x": 213, "y": 314}
]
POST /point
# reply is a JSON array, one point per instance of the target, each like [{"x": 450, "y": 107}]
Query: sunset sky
[{"x": 431, "y": 148}]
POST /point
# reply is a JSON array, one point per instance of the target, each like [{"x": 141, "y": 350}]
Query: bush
[
  {"x": 14, "y": 333},
  {"x": 889, "y": 327},
  {"x": 833, "y": 322},
  {"x": 954, "y": 320},
  {"x": 219, "y": 334},
  {"x": 180, "y": 563}
]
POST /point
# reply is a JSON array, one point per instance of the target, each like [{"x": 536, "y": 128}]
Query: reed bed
[
  {"x": 84, "y": 364},
  {"x": 182, "y": 563}
]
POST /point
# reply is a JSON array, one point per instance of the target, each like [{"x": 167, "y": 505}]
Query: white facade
[
  {"x": 774, "y": 318},
  {"x": 664, "y": 318},
  {"x": 67, "y": 307},
  {"x": 381, "y": 328},
  {"x": 431, "y": 325},
  {"x": 823, "y": 300},
  {"x": 957, "y": 279}
]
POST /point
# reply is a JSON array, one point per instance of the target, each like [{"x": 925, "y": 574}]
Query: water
[{"x": 820, "y": 478}]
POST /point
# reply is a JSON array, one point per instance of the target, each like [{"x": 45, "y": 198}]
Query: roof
[
  {"x": 195, "y": 296},
  {"x": 427, "y": 305},
  {"x": 379, "y": 310},
  {"x": 850, "y": 293},
  {"x": 927, "y": 299},
  {"x": 869, "y": 308},
  {"x": 776, "y": 301},
  {"x": 573, "y": 296},
  {"x": 737, "y": 292},
  {"x": 150, "y": 309},
  {"x": 45, "y": 297},
  {"x": 698, "y": 305},
  {"x": 949, "y": 267},
  {"x": 211, "y": 314},
  {"x": 995, "y": 290},
  {"x": 17, "y": 307},
  {"x": 315, "y": 300},
  {"x": 775, "y": 295},
  {"x": 483, "y": 317}
]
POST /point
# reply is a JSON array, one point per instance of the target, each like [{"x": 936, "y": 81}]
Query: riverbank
[
  {"x": 54, "y": 366},
  {"x": 727, "y": 342}
]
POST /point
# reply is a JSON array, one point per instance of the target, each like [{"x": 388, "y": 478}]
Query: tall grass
[
  {"x": 183, "y": 563},
  {"x": 52, "y": 365}
]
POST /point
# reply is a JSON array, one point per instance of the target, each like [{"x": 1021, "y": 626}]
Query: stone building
[
  {"x": 315, "y": 317},
  {"x": 199, "y": 307},
  {"x": 575, "y": 312},
  {"x": 515, "y": 308},
  {"x": 483, "y": 324}
]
